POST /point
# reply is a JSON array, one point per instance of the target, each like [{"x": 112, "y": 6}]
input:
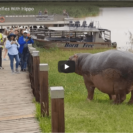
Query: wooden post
[
  {"x": 29, "y": 45},
  {"x": 31, "y": 72},
  {"x": 36, "y": 62},
  {"x": 31, "y": 49},
  {"x": 57, "y": 109},
  {"x": 44, "y": 98},
  {"x": 29, "y": 59}
]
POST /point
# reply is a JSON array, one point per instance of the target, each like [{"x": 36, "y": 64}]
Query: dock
[
  {"x": 17, "y": 109},
  {"x": 32, "y": 23},
  {"x": 28, "y": 20}
]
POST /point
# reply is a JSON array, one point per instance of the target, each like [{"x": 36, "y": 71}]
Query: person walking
[
  {"x": 40, "y": 13},
  {"x": 12, "y": 47},
  {"x": 1, "y": 48},
  {"x": 5, "y": 50},
  {"x": 65, "y": 13},
  {"x": 16, "y": 32},
  {"x": 23, "y": 50},
  {"x": 45, "y": 11},
  {"x": 21, "y": 32}
]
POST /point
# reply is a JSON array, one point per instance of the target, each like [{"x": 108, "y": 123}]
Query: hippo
[{"x": 110, "y": 71}]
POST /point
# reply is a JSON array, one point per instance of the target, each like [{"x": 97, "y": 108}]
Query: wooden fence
[{"x": 38, "y": 74}]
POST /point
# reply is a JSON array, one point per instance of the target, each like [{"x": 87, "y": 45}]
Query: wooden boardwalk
[{"x": 17, "y": 110}]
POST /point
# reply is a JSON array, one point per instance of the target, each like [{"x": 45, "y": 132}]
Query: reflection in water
[{"x": 119, "y": 21}]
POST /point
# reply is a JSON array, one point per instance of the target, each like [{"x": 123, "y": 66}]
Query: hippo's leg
[
  {"x": 120, "y": 97},
  {"x": 90, "y": 93},
  {"x": 112, "y": 97},
  {"x": 90, "y": 88},
  {"x": 131, "y": 99}
]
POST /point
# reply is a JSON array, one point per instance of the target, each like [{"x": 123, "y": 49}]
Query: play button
[{"x": 66, "y": 66}]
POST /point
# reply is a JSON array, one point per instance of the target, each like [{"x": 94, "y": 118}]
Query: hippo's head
[
  {"x": 74, "y": 58},
  {"x": 80, "y": 60}
]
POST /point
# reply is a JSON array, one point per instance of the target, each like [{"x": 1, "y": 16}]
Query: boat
[
  {"x": 31, "y": 20},
  {"x": 73, "y": 35}
]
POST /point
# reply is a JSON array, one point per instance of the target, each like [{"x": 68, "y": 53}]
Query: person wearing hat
[
  {"x": 16, "y": 32},
  {"x": 12, "y": 47},
  {"x": 24, "y": 40}
]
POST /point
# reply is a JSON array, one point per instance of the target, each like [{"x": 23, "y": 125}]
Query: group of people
[
  {"x": 45, "y": 12},
  {"x": 15, "y": 43}
]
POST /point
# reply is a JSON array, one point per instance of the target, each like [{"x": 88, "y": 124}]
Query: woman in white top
[{"x": 12, "y": 46}]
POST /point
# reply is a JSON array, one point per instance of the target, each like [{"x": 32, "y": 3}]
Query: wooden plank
[
  {"x": 19, "y": 107},
  {"x": 17, "y": 114},
  {"x": 15, "y": 88},
  {"x": 21, "y": 120},
  {"x": 11, "y": 100},
  {"x": 18, "y": 123},
  {"x": 16, "y": 130}
]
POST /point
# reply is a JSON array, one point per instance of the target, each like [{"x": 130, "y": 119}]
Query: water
[{"x": 119, "y": 21}]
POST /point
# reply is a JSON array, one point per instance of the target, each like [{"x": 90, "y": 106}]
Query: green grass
[{"x": 80, "y": 115}]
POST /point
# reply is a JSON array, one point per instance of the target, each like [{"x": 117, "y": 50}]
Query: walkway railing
[{"x": 38, "y": 74}]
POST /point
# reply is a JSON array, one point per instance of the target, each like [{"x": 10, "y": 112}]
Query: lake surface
[{"x": 119, "y": 21}]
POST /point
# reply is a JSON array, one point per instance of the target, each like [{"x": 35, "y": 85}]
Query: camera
[{"x": 29, "y": 38}]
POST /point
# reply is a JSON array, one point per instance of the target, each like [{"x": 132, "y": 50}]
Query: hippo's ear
[{"x": 76, "y": 56}]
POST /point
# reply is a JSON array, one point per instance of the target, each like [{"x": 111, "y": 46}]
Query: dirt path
[{"x": 17, "y": 110}]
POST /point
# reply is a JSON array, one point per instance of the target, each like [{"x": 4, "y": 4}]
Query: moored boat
[{"x": 73, "y": 36}]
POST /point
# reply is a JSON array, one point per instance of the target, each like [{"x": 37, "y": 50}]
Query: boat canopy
[
  {"x": 104, "y": 30},
  {"x": 59, "y": 28},
  {"x": 74, "y": 29}
]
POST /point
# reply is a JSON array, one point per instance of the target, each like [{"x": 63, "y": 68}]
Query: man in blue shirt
[{"x": 24, "y": 40}]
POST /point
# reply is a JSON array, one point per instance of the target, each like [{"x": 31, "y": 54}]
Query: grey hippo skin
[{"x": 111, "y": 72}]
